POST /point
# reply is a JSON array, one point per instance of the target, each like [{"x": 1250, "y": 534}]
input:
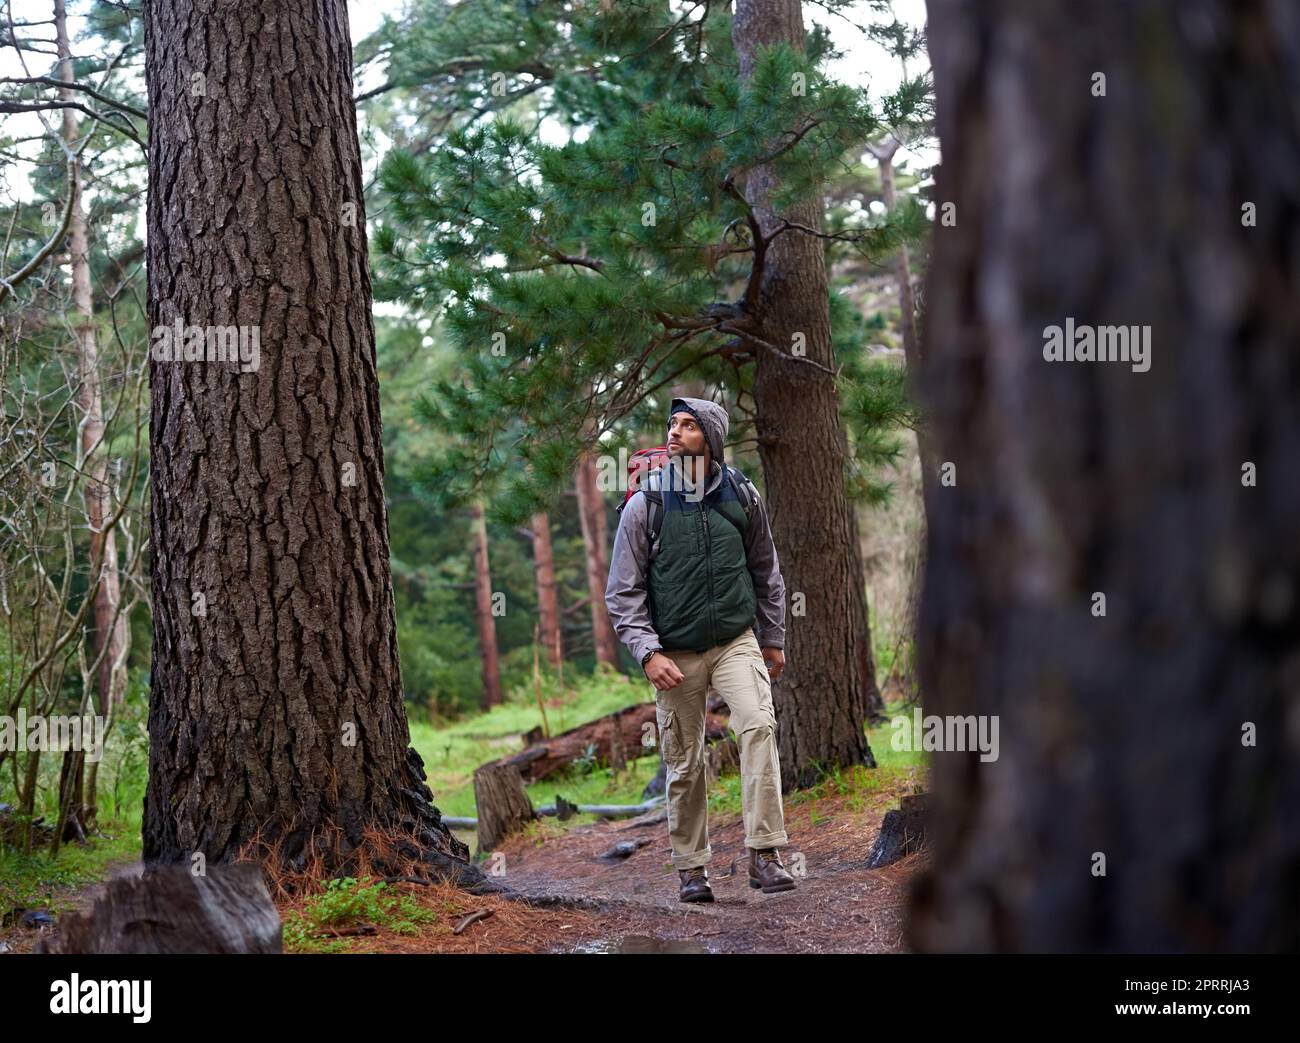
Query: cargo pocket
[
  {"x": 764, "y": 683},
  {"x": 669, "y": 746}
]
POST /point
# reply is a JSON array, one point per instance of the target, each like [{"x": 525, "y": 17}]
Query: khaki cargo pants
[{"x": 738, "y": 672}]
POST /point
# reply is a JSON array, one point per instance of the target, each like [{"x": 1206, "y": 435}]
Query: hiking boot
[
  {"x": 767, "y": 872},
  {"x": 695, "y": 885}
]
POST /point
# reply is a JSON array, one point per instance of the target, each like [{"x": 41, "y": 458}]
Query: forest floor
[
  {"x": 838, "y": 905},
  {"x": 580, "y": 902}
]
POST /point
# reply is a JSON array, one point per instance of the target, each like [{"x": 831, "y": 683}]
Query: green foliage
[
  {"x": 587, "y": 761},
  {"x": 576, "y": 280},
  {"x": 347, "y": 902},
  {"x": 34, "y": 880}
]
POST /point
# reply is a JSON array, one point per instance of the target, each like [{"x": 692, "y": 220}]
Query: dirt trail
[
  {"x": 838, "y": 906},
  {"x": 582, "y": 903}
]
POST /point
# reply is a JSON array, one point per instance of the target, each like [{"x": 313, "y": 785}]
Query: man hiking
[{"x": 694, "y": 571}]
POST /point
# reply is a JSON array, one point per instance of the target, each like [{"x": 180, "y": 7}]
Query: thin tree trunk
[
  {"x": 884, "y": 154},
  {"x": 110, "y": 633},
  {"x": 1146, "y": 792},
  {"x": 276, "y": 711},
  {"x": 822, "y": 698},
  {"x": 27, "y": 797},
  {"x": 548, "y": 605},
  {"x": 591, "y": 514},
  {"x": 866, "y": 657},
  {"x": 487, "y": 624}
]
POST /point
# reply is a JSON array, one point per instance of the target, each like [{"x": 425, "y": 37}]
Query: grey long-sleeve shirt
[{"x": 626, "y": 598}]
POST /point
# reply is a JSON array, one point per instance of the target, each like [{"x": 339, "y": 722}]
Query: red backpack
[
  {"x": 643, "y": 461},
  {"x": 640, "y": 463}
]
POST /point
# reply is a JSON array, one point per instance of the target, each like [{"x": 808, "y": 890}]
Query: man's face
[{"x": 685, "y": 438}]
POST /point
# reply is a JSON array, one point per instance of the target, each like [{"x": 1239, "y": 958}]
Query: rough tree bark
[
  {"x": 276, "y": 709},
  {"x": 548, "y": 605},
  {"x": 591, "y": 514},
  {"x": 1161, "y": 736},
  {"x": 487, "y": 624},
  {"x": 822, "y": 699}
]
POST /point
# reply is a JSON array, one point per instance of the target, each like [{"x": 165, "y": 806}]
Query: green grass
[
  {"x": 857, "y": 783},
  {"x": 37, "y": 881},
  {"x": 452, "y": 752},
  {"x": 881, "y": 741},
  {"x": 347, "y": 902}
]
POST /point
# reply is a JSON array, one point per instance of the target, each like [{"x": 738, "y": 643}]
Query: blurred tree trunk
[
  {"x": 276, "y": 712},
  {"x": 548, "y": 605},
  {"x": 1147, "y": 792},
  {"x": 487, "y": 624},
  {"x": 823, "y": 698}
]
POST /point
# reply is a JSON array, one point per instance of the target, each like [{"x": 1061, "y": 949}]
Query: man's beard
[{"x": 684, "y": 468}]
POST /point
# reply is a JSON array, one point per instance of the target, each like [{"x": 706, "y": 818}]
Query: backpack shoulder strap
[
  {"x": 745, "y": 491},
  {"x": 654, "y": 510}
]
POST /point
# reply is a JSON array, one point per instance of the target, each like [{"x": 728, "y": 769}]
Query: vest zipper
[{"x": 708, "y": 571}]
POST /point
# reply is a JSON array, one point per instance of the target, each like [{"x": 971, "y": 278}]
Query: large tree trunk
[
  {"x": 487, "y": 624},
  {"x": 276, "y": 709},
  {"x": 591, "y": 514},
  {"x": 1161, "y": 736},
  {"x": 110, "y": 631},
  {"x": 548, "y": 605},
  {"x": 822, "y": 699}
]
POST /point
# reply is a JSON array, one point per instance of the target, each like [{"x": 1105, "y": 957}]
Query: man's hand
[
  {"x": 663, "y": 672},
  {"x": 775, "y": 659}
]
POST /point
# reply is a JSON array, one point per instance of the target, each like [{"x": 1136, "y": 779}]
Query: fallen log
[
  {"x": 608, "y": 810},
  {"x": 563, "y": 809},
  {"x": 637, "y": 733}
]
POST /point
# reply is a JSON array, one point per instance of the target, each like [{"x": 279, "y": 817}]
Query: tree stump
[
  {"x": 502, "y": 804},
  {"x": 721, "y": 758},
  {"x": 901, "y": 833},
  {"x": 617, "y": 752},
  {"x": 657, "y": 786},
  {"x": 169, "y": 910}
]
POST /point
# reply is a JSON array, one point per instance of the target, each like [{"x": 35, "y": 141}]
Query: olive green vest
[{"x": 700, "y": 591}]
